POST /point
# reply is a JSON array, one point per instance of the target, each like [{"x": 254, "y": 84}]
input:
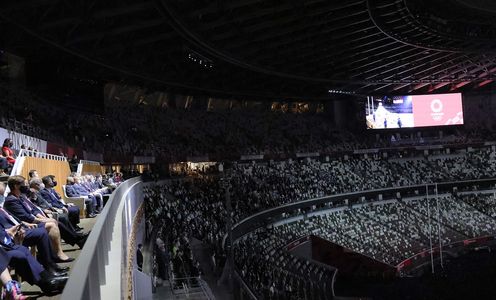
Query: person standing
[
  {"x": 8, "y": 152},
  {"x": 139, "y": 258}
]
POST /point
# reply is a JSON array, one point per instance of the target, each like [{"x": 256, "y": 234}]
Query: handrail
[
  {"x": 32, "y": 153},
  {"x": 88, "y": 272},
  {"x": 89, "y": 162},
  {"x": 206, "y": 289},
  {"x": 244, "y": 285},
  {"x": 319, "y": 200}
]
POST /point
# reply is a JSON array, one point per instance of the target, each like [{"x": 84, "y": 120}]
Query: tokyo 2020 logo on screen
[
  {"x": 414, "y": 111},
  {"x": 437, "y": 109}
]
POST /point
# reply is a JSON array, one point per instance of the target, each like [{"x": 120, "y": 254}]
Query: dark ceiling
[{"x": 261, "y": 48}]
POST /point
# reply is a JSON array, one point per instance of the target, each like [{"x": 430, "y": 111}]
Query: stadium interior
[{"x": 248, "y": 149}]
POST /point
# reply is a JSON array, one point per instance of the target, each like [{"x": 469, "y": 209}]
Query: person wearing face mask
[
  {"x": 36, "y": 185},
  {"x": 21, "y": 207},
  {"x": 51, "y": 196},
  {"x": 8, "y": 152},
  {"x": 36, "y": 236}
]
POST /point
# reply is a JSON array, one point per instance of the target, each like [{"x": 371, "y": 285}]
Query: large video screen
[{"x": 414, "y": 111}]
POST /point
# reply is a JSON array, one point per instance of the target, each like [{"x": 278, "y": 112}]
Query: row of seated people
[
  {"x": 389, "y": 231},
  {"x": 457, "y": 215},
  {"x": 196, "y": 207},
  {"x": 370, "y": 229},
  {"x": 178, "y": 222},
  {"x": 35, "y": 215},
  {"x": 91, "y": 188},
  {"x": 274, "y": 273},
  {"x": 482, "y": 202}
]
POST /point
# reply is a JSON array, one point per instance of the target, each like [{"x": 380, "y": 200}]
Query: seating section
[
  {"x": 459, "y": 216},
  {"x": 388, "y": 231},
  {"x": 273, "y": 273},
  {"x": 485, "y": 203}
]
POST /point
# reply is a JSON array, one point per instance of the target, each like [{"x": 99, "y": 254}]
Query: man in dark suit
[
  {"x": 51, "y": 196},
  {"x": 84, "y": 190},
  {"x": 26, "y": 265},
  {"x": 72, "y": 191},
  {"x": 36, "y": 185},
  {"x": 19, "y": 206},
  {"x": 37, "y": 236}
]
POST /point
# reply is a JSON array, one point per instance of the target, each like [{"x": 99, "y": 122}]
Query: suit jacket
[
  {"x": 31, "y": 205},
  {"x": 55, "y": 194},
  {"x": 6, "y": 241},
  {"x": 80, "y": 190},
  {"x": 41, "y": 202},
  {"x": 5, "y": 221},
  {"x": 51, "y": 198},
  {"x": 20, "y": 209},
  {"x": 87, "y": 186},
  {"x": 71, "y": 191}
]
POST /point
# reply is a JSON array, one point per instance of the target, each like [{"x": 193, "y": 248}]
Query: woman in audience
[{"x": 8, "y": 152}]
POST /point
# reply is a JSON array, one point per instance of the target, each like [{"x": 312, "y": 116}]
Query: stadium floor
[{"x": 72, "y": 251}]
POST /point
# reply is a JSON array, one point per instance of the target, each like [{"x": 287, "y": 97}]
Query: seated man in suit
[
  {"x": 99, "y": 184},
  {"x": 84, "y": 190},
  {"x": 21, "y": 207},
  {"x": 20, "y": 258},
  {"x": 36, "y": 185},
  {"x": 36, "y": 236},
  {"x": 72, "y": 191},
  {"x": 88, "y": 183},
  {"x": 51, "y": 196}
]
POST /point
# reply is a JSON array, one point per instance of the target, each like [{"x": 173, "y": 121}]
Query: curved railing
[
  {"x": 89, "y": 271},
  {"x": 262, "y": 218},
  {"x": 272, "y": 215},
  {"x": 33, "y": 153}
]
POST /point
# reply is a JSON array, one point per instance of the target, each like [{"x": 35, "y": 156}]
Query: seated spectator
[
  {"x": 35, "y": 196},
  {"x": 52, "y": 197},
  {"x": 20, "y": 206},
  {"x": 8, "y": 152},
  {"x": 20, "y": 258},
  {"x": 32, "y": 174},
  {"x": 74, "y": 190},
  {"x": 102, "y": 183},
  {"x": 37, "y": 236}
]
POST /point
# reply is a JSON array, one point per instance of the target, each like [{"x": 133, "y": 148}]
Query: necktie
[{"x": 34, "y": 206}]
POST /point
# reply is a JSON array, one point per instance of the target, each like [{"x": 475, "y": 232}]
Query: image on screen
[{"x": 414, "y": 111}]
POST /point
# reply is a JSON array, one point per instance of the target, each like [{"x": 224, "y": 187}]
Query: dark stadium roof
[{"x": 262, "y": 47}]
